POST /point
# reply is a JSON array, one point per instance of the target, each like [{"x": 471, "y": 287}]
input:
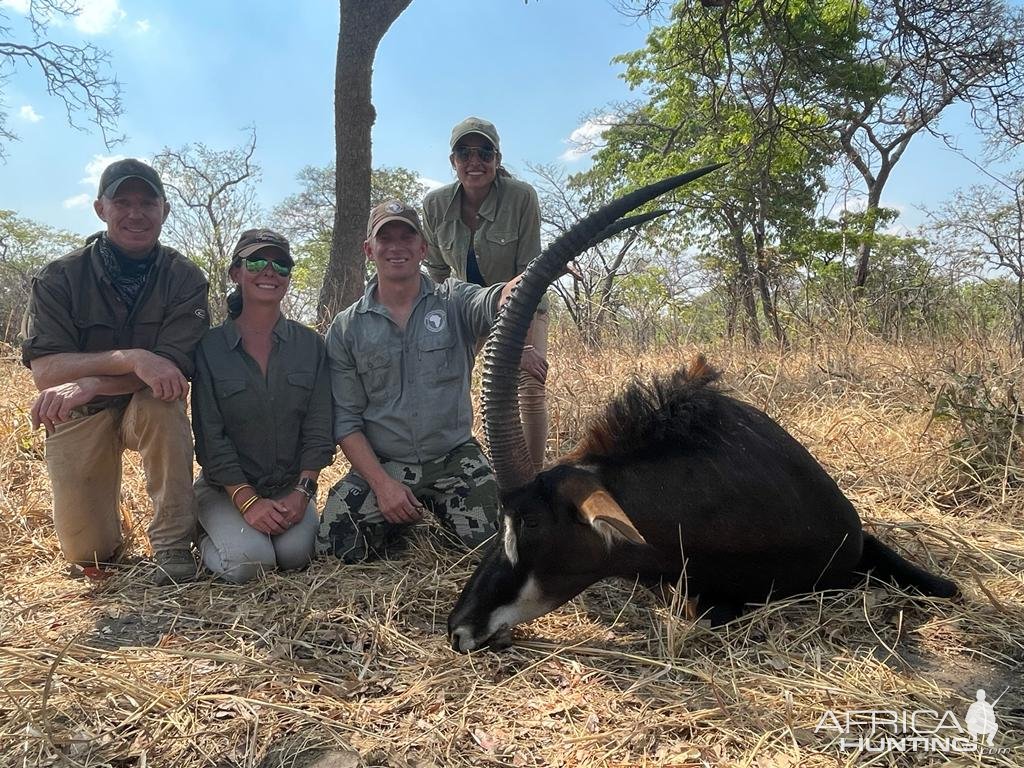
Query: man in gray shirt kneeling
[{"x": 401, "y": 359}]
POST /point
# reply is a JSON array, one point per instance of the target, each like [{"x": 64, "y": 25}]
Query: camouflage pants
[{"x": 459, "y": 488}]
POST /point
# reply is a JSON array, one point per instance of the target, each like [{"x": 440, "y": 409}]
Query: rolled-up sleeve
[
  {"x": 186, "y": 320},
  {"x": 48, "y": 327},
  {"x": 215, "y": 452},
  {"x": 317, "y": 449},
  {"x": 348, "y": 395}
]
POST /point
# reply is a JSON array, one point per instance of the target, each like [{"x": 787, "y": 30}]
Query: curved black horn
[
  {"x": 509, "y": 454},
  {"x": 623, "y": 224}
]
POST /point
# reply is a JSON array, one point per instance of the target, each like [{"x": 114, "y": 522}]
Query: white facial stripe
[
  {"x": 528, "y": 605},
  {"x": 511, "y": 550}
]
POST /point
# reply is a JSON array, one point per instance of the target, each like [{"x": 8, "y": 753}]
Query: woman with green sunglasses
[{"x": 261, "y": 414}]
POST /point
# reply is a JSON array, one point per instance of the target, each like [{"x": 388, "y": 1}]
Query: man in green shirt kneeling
[{"x": 400, "y": 360}]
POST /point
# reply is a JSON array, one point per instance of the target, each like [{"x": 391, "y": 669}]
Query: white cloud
[
  {"x": 94, "y": 169},
  {"x": 21, "y": 6},
  {"x": 78, "y": 201},
  {"x": 586, "y": 138},
  {"x": 98, "y": 16},
  {"x": 29, "y": 114},
  {"x": 430, "y": 184},
  {"x": 142, "y": 26}
]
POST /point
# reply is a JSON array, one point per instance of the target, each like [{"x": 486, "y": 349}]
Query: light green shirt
[
  {"x": 408, "y": 391},
  {"x": 507, "y": 239}
]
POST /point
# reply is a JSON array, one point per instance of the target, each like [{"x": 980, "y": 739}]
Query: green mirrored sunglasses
[{"x": 258, "y": 265}]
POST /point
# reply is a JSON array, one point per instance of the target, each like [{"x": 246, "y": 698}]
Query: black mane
[{"x": 647, "y": 415}]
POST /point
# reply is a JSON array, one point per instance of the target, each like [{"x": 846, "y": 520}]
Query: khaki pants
[
  {"x": 533, "y": 403},
  {"x": 83, "y": 457}
]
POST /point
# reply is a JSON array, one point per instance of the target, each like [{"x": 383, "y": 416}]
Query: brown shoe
[{"x": 173, "y": 566}]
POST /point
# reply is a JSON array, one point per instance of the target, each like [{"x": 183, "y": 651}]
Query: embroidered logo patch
[
  {"x": 434, "y": 321},
  {"x": 395, "y": 207},
  {"x": 200, "y": 313}
]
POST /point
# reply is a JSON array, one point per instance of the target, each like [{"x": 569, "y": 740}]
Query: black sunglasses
[
  {"x": 258, "y": 265},
  {"x": 486, "y": 154}
]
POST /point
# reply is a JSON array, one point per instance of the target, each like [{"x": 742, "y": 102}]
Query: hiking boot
[{"x": 173, "y": 566}]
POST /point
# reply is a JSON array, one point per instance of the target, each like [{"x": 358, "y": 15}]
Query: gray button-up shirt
[
  {"x": 258, "y": 429},
  {"x": 408, "y": 391}
]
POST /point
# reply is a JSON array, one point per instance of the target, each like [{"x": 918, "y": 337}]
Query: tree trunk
[
  {"x": 868, "y": 235},
  {"x": 767, "y": 300},
  {"x": 745, "y": 284},
  {"x": 363, "y": 24}
]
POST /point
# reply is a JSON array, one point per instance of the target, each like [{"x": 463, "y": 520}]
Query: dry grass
[{"x": 271, "y": 674}]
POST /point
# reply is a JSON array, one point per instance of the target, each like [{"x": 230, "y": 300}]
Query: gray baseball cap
[{"x": 476, "y": 125}]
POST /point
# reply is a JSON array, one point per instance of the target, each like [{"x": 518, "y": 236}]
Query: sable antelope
[{"x": 674, "y": 479}]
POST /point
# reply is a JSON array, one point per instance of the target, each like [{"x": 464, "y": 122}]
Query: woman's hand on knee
[
  {"x": 295, "y": 504},
  {"x": 268, "y": 516}
]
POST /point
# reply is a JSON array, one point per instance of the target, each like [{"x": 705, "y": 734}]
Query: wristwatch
[{"x": 307, "y": 486}]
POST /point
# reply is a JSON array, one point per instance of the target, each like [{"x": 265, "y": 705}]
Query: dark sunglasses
[
  {"x": 258, "y": 265},
  {"x": 486, "y": 154}
]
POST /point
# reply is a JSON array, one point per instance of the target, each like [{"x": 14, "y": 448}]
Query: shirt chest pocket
[
  {"x": 146, "y": 324},
  {"x": 498, "y": 237},
  {"x": 437, "y": 358},
  {"x": 232, "y": 401},
  {"x": 376, "y": 370},
  {"x": 298, "y": 391},
  {"x": 96, "y": 334}
]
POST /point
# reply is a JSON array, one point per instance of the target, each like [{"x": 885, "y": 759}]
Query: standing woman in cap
[
  {"x": 485, "y": 228},
  {"x": 261, "y": 413}
]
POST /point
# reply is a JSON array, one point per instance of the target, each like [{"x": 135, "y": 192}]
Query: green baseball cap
[
  {"x": 129, "y": 168},
  {"x": 476, "y": 125}
]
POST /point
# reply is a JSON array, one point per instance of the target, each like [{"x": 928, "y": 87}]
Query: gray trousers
[{"x": 237, "y": 552}]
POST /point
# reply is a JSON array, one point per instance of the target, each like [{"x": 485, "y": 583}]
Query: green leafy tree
[
  {"x": 985, "y": 225},
  {"x": 25, "y": 247},
  {"x": 742, "y": 97},
  {"x": 308, "y": 217}
]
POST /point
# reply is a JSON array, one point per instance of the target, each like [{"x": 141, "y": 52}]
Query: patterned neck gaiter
[{"x": 127, "y": 275}]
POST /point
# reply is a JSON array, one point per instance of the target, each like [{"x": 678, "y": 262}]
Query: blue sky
[{"x": 202, "y": 71}]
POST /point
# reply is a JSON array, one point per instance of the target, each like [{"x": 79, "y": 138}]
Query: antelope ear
[{"x": 595, "y": 506}]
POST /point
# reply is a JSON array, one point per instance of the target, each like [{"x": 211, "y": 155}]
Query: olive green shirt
[
  {"x": 506, "y": 240},
  {"x": 408, "y": 391},
  {"x": 74, "y": 307},
  {"x": 256, "y": 429}
]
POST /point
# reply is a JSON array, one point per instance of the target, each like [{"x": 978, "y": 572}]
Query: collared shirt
[
  {"x": 256, "y": 429},
  {"x": 409, "y": 391},
  {"x": 74, "y": 307},
  {"x": 506, "y": 240}
]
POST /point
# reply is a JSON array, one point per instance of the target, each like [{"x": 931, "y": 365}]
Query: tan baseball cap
[
  {"x": 392, "y": 210},
  {"x": 475, "y": 125}
]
